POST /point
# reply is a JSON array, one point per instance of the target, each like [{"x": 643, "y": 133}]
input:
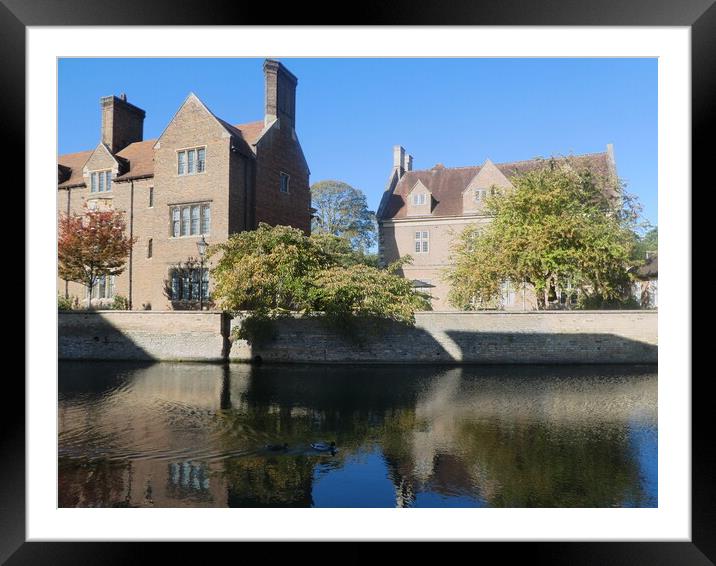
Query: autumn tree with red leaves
[{"x": 92, "y": 245}]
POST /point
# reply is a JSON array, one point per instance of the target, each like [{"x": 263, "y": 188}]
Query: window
[
  {"x": 195, "y": 219},
  {"x": 191, "y": 161},
  {"x": 507, "y": 294},
  {"x": 175, "y": 222},
  {"x": 421, "y": 242},
  {"x": 419, "y": 199},
  {"x": 284, "y": 182},
  {"x": 480, "y": 194},
  {"x": 191, "y": 155},
  {"x": 151, "y": 197},
  {"x": 205, "y": 218},
  {"x": 187, "y": 283},
  {"x": 100, "y": 181},
  {"x": 103, "y": 287},
  {"x": 190, "y": 220},
  {"x": 149, "y": 248},
  {"x": 201, "y": 159},
  {"x": 185, "y": 221}
]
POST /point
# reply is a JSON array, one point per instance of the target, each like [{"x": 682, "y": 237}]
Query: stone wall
[
  {"x": 476, "y": 337},
  {"x": 554, "y": 337},
  {"x": 136, "y": 335}
]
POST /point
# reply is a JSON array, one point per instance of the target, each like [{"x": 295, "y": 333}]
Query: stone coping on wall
[{"x": 597, "y": 336}]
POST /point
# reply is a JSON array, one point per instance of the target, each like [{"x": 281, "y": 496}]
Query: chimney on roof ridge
[
  {"x": 408, "y": 162},
  {"x": 398, "y": 156},
  {"x": 402, "y": 162},
  {"x": 280, "y": 94},
  {"x": 122, "y": 122}
]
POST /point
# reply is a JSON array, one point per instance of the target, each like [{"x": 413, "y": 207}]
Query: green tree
[
  {"x": 559, "y": 224},
  {"x": 91, "y": 246},
  {"x": 343, "y": 211},
  {"x": 276, "y": 271},
  {"x": 649, "y": 242}
]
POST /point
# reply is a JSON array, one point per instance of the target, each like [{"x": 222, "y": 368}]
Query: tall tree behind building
[{"x": 342, "y": 210}]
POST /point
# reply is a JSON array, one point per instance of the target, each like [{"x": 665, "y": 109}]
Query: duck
[
  {"x": 324, "y": 447},
  {"x": 277, "y": 447}
]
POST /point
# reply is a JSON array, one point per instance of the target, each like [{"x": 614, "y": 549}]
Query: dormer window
[
  {"x": 419, "y": 199},
  {"x": 100, "y": 181}
]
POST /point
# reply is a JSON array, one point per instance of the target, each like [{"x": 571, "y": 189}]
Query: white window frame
[
  {"x": 101, "y": 181},
  {"x": 203, "y": 226},
  {"x": 108, "y": 282},
  {"x": 422, "y": 241},
  {"x": 419, "y": 199},
  {"x": 196, "y": 162}
]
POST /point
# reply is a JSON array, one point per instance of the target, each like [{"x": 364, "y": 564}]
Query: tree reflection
[{"x": 502, "y": 437}]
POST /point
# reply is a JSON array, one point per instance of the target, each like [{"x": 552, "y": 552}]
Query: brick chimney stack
[
  {"x": 280, "y": 99},
  {"x": 122, "y": 122}
]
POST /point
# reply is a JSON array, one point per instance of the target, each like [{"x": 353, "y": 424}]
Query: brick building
[
  {"x": 201, "y": 177},
  {"x": 422, "y": 212}
]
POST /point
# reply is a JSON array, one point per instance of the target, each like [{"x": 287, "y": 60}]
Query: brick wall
[
  {"x": 133, "y": 335},
  {"x": 592, "y": 337},
  {"x": 532, "y": 337},
  {"x": 278, "y": 152}
]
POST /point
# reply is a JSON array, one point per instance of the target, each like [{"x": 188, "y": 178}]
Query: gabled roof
[
  {"x": 417, "y": 184},
  {"x": 73, "y": 163},
  {"x": 447, "y": 184},
  {"x": 138, "y": 157}
]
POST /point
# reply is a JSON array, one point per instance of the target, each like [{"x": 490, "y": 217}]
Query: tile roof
[
  {"x": 70, "y": 174},
  {"x": 140, "y": 156},
  {"x": 448, "y": 183}
]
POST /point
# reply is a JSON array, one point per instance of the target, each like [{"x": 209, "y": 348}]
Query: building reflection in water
[{"x": 177, "y": 435}]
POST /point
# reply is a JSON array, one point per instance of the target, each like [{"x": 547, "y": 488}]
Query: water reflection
[{"x": 194, "y": 435}]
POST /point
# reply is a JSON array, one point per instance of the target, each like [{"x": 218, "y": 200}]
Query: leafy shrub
[
  {"x": 66, "y": 303},
  {"x": 120, "y": 303}
]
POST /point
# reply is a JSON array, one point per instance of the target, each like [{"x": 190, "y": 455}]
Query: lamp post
[{"x": 201, "y": 245}]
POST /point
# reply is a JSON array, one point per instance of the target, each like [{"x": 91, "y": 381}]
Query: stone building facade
[
  {"x": 201, "y": 177},
  {"x": 422, "y": 212}
]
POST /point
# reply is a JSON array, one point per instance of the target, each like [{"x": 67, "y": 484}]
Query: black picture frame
[{"x": 699, "y": 15}]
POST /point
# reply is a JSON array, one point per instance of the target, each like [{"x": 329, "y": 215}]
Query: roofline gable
[
  {"x": 486, "y": 166},
  {"x": 193, "y": 97},
  {"x": 415, "y": 186},
  {"x": 101, "y": 145}
]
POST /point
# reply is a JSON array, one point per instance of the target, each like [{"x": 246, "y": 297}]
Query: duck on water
[{"x": 324, "y": 447}]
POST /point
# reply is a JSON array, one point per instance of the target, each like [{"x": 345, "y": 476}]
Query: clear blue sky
[{"x": 350, "y": 112}]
